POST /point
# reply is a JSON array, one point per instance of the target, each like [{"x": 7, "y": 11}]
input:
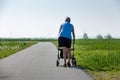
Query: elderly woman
[{"x": 65, "y": 39}]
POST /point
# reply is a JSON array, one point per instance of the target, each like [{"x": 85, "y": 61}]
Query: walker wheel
[
  {"x": 74, "y": 62},
  {"x": 57, "y": 63}
]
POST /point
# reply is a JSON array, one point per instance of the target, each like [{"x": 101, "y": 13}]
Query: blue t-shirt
[{"x": 66, "y": 29}]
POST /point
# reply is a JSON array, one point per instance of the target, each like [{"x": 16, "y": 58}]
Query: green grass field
[
  {"x": 99, "y": 57},
  {"x": 103, "y": 55},
  {"x": 10, "y": 47}
]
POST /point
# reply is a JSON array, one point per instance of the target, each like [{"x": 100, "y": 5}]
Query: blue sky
[{"x": 42, "y": 18}]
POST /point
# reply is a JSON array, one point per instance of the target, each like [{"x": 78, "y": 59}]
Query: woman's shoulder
[{"x": 63, "y": 24}]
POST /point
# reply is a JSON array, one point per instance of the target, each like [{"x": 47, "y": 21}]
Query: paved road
[{"x": 38, "y": 62}]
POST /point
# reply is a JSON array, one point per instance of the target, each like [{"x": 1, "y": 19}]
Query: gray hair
[{"x": 67, "y": 19}]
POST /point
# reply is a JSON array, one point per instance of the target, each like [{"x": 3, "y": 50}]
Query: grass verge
[{"x": 10, "y": 47}]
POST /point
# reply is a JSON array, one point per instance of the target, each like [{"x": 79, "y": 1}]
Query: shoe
[
  {"x": 64, "y": 65},
  {"x": 68, "y": 63}
]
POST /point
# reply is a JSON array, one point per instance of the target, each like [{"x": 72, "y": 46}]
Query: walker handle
[{"x": 73, "y": 43}]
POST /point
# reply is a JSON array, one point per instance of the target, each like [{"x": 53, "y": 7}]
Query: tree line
[{"x": 99, "y": 36}]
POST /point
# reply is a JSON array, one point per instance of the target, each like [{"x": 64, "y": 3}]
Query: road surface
[{"x": 38, "y": 62}]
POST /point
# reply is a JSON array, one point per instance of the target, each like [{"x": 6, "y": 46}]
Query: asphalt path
[{"x": 38, "y": 62}]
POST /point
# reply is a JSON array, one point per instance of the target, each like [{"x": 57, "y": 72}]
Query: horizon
[{"x": 78, "y": 37}]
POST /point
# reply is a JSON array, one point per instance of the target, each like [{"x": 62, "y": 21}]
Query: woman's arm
[
  {"x": 73, "y": 33},
  {"x": 59, "y": 29}
]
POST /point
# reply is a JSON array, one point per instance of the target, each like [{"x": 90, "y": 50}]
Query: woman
[{"x": 65, "y": 39}]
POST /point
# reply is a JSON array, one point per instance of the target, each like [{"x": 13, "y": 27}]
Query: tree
[
  {"x": 108, "y": 36},
  {"x": 99, "y": 36},
  {"x": 85, "y": 36}
]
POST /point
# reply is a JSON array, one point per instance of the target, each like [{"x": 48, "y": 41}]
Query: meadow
[
  {"x": 11, "y": 46},
  {"x": 99, "y": 57},
  {"x": 101, "y": 54}
]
